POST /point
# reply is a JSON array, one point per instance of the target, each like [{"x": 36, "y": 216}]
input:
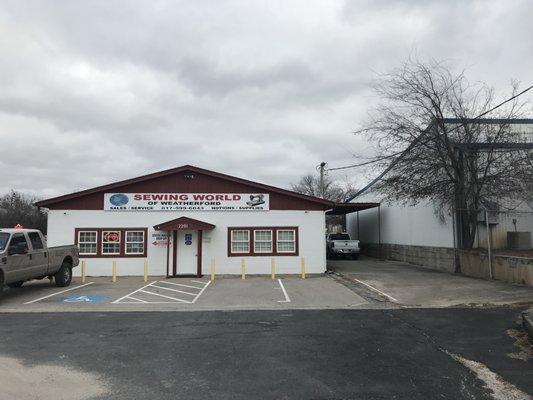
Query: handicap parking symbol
[{"x": 84, "y": 299}]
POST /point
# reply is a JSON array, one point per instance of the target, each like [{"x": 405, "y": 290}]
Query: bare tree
[
  {"x": 427, "y": 127},
  {"x": 18, "y": 208},
  {"x": 310, "y": 185}
]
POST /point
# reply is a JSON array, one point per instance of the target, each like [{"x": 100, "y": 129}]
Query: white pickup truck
[
  {"x": 24, "y": 256},
  {"x": 340, "y": 244}
]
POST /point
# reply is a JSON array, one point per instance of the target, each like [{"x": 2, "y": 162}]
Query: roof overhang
[
  {"x": 347, "y": 208},
  {"x": 184, "y": 223}
]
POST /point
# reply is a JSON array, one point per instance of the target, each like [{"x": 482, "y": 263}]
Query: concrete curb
[{"x": 527, "y": 322}]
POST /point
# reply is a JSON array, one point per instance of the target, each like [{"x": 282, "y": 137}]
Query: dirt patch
[
  {"x": 46, "y": 382},
  {"x": 524, "y": 348},
  {"x": 501, "y": 389}
]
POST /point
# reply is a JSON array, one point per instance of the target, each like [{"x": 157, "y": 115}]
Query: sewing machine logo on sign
[
  {"x": 256, "y": 199},
  {"x": 188, "y": 239}
]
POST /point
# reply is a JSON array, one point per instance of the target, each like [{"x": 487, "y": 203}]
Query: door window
[
  {"x": 18, "y": 244},
  {"x": 36, "y": 242}
]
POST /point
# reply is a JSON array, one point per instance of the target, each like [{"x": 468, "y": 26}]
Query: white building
[
  {"x": 423, "y": 235},
  {"x": 181, "y": 219}
]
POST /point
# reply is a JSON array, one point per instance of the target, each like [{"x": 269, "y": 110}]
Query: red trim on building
[{"x": 185, "y": 179}]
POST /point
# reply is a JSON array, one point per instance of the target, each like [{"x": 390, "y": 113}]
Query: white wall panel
[{"x": 61, "y": 225}]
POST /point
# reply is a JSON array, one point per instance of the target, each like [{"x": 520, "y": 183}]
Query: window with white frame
[
  {"x": 262, "y": 241},
  {"x": 134, "y": 242},
  {"x": 87, "y": 242},
  {"x": 286, "y": 241},
  {"x": 110, "y": 242},
  {"x": 240, "y": 241}
]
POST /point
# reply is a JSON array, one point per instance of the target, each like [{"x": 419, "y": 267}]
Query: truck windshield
[
  {"x": 4, "y": 237},
  {"x": 339, "y": 236}
]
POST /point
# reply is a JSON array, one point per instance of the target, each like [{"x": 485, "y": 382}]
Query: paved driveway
[{"x": 410, "y": 285}]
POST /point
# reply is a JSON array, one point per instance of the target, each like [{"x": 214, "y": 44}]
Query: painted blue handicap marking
[{"x": 95, "y": 298}]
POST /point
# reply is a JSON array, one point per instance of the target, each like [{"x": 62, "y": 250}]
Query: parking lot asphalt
[
  {"x": 409, "y": 285},
  {"x": 182, "y": 294},
  {"x": 283, "y": 354}
]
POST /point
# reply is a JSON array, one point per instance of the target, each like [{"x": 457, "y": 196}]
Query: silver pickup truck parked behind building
[
  {"x": 340, "y": 244},
  {"x": 24, "y": 256}
]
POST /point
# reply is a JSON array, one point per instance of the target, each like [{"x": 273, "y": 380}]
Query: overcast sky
[{"x": 97, "y": 91}]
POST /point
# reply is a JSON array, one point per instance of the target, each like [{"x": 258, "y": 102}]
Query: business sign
[
  {"x": 161, "y": 239},
  {"x": 186, "y": 201}
]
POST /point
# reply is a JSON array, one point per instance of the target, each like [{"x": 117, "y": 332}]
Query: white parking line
[
  {"x": 162, "y": 295},
  {"x": 56, "y": 293},
  {"x": 376, "y": 290},
  {"x": 181, "y": 284},
  {"x": 174, "y": 290},
  {"x": 287, "y": 299},
  {"x": 129, "y": 294},
  {"x": 201, "y": 291},
  {"x": 150, "y": 290}
]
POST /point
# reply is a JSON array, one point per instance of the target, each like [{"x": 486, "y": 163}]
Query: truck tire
[
  {"x": 15, "y": 285},
  {"x": 63, "y": 277}
]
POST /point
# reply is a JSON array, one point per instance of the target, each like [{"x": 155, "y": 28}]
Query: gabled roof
[
  {"x": 184, "y": 223},
  {"x": 184, "y": 168}
]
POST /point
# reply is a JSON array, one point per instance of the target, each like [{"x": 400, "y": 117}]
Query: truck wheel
[
  {"x": 15, "y": 285},
  {"x": 64, "y": 275}
]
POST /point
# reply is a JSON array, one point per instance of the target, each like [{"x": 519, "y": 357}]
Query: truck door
[
  {"x": 39, "y": 255},
  {"x": 18, "y": 258}
]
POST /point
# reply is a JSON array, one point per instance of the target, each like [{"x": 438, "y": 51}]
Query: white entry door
[{"x": 187, "y": 253}]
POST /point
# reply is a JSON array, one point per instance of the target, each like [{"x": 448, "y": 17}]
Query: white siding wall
[
  {"x": 405, "y": 225},
  {"x": 61, "y": 225}
]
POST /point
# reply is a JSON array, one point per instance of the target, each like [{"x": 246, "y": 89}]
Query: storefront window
[
  {"x": 240, "y": 241},
  {"x": 134, "y": 242},
  {"x": 262, "y": 241},
  {"x": 87, "y": 242},
  {"x": 286, "y": 241},
  {"x": 110, "y": 242}
]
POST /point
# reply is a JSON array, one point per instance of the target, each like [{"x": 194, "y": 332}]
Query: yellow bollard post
[
  {"x": 213, "y": 266},
  {"x": 243, "y": 269},
  {"x": 273, "y": 268},
  {"x": 114, "y": 268},
  {"x": 83, "y": 271},
  {"x": 146, "y": 270},
  {"x": 302, "y": 263}
]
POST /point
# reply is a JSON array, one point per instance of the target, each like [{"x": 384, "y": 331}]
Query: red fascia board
[{"x": 188, "y": 168}]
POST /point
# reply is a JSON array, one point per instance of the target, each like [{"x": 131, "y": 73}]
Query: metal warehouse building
[{"x": 179, "y": 220}]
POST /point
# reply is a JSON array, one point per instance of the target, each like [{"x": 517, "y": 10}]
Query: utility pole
[{"x": 322, "y": 168}]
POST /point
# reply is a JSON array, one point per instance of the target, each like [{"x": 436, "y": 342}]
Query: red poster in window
[{"x": 111, "y": 236}]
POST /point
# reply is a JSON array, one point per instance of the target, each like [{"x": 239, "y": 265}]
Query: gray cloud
[{"x": 98, "y": 91}]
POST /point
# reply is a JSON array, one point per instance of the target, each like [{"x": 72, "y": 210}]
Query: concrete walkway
[{"x": 411, "y": 285}]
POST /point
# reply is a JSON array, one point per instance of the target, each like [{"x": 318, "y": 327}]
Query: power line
[
  {"x": 417, "y": 138},
  {"x": 415, "y": 141}
]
